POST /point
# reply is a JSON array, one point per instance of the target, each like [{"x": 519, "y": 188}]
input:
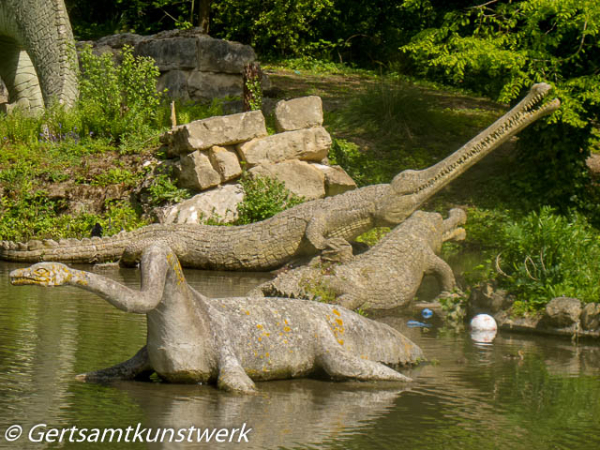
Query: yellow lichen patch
[
  {"x": 267, "y": 354},
  {"x": 341, "y": 341},
  {"x": 336, "y": 312},
  {"x": 285, "y": 321},
  {"x": 174, "y": 263},
  {"x": 287, "y": 329},
  {"x": 259, "y": 326},
  {"x": 259, "y": 339},
  {"x": 247, "y": 312},
  {"x": 340, "y": 322}
]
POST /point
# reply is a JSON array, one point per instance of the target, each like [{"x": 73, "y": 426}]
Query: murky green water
[{"x": 471, "y": 397}]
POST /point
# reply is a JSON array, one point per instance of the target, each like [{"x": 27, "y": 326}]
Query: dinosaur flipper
[
  {"x": 136, "y": 367},
  {"x": 340, "y": 364}
]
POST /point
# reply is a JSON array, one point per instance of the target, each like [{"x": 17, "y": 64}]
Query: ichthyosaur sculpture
[
  {"x": 386, "y": 276},
  {"x": 303, "y": 230},
  {"x": 234, "y": 341},
  {"x": 38, "y": 60}
]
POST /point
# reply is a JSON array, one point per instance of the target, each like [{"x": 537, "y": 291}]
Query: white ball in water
[{"x": 483, "y": 322}]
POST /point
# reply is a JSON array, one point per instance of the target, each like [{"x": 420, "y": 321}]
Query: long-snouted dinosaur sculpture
[
  {"x": 38, "y": 61},
  {"x": 303, "y": 230},
  {"x": 385, "y": 277},
  {"x": 233, "y": 341}
]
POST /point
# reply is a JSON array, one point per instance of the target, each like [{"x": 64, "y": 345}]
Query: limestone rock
[
  {"x": 299, "y": 177},
  {"x": 197, "y": 172},
  {"x": 225, "y": 161},
  {"x": 219, "y": 130},
  {"x": 563, "y": 312},
  {"x": 303, "y": 112},
  {"x": 178, "y": 50},
  {"x": 193, "y": 66},
  {"x": 219, "y": 204},
  {"x": 337, "y": 181},
  {"x": 311, "y": 144},
  {"x": 196, "y": 86},
  {"x": 590, "y": 316},
  {"x": 208, "y": 85},
  {"x": 487, "y": 298},
  {"x": 218, "y": 55}
]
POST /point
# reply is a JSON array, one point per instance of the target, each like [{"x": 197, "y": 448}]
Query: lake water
[{"x": 467, "y": 397}]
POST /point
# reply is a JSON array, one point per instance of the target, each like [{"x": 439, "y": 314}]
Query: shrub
[
  {"x": 117, "y": 99},
  {"x": 502, "y": 48},
  {"x": 163, "y": 190},
  {"x": 263, "y": 198},
  {"x": 546, "y": 255}
]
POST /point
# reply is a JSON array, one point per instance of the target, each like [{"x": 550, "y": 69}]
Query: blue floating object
[
  {"x": 427, "y": 313},
  {"x": 415, "y": 324}
]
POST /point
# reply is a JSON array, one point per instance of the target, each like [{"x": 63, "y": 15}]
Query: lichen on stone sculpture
[
  {"x": 306, "y": 229},
  {"x": 385, "y": 277},
  {"x": 234, "y": 341},
  {"x": 38, "y": 61}
]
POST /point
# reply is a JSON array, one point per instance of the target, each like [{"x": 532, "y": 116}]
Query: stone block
[
  {"x": 337, "y": 181},
  {"x": 311, "y": 144},
  {"x": 174, "y": 53},
  {"x": 220, "y": 130},
  {"x": 197, "y": 173},
  {"x": 299, "y": 177},
  {"x": 298, "y": 113},
  {"x": 225, "y": 161},
  {"x": 218, "y": 55},
  {"x": 208, "y": 85},
  {"x": 563, "y": 312},
  {"x": 590, "y": 316},
  {"x": 217, "y": 204}
]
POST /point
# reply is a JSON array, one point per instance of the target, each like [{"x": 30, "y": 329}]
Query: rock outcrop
[
  {"x": 215, "y": 150},
  {"x": 193, "y": 66}
]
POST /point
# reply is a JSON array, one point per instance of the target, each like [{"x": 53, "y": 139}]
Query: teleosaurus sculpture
[
  {"x": 233, "y": 341},
  {"x": 303, "y": 230},
  {"x": 385, "y": 277}
]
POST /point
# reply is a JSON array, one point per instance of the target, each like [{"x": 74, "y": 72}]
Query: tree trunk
[
  {"x": 204, "y": 15},
  {"x": 252, "y": 95}
]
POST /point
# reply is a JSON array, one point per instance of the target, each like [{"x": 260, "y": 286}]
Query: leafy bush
[
  {"x": 163, "y": 190},
  {"x": 502, "y": 48},
  {"x": 117, "y": 99},
  {"x": 33, "y": 215},
  {"x": 546, "y": 255},
  {"x": 263, "y": 198}
]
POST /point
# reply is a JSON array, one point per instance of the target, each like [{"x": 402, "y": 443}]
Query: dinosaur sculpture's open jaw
[
  {"x": 40, "y": 275},
  {"x": 523, "y": 114},
  {"x": 22, "y": 277}
]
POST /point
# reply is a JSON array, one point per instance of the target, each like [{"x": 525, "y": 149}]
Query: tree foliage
[{"x": 501, "y": 48}]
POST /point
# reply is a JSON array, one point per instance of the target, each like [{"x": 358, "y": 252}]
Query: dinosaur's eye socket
[{"x": 41, "y": 271}]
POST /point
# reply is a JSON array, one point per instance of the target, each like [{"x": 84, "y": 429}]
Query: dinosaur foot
[{"x": 235, "y": 380}]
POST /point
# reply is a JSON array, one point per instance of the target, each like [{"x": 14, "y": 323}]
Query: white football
[{"x": 483, "y": 322}]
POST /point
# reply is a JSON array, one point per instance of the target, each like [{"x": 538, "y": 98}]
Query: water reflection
[
  {"x": 282, "y": 414},
  {"x": 520, "y": 392}
]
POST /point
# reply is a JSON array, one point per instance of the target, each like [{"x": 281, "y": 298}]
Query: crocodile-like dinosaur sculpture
[
  {"x": 385, "y": 277},
  {"x": 305, "y": 229},
  {"x": 234, "y": 341},
  {"x": 38, "y": 61}
]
